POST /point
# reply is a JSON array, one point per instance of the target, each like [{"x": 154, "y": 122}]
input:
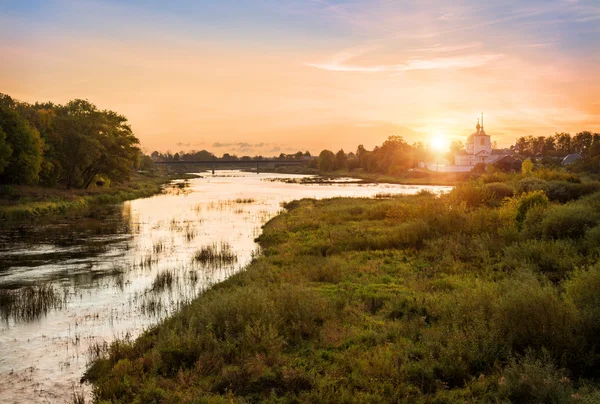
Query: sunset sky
[{"x": 271, "y": 76}]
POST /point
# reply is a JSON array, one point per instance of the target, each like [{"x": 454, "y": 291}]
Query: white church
[{"x": 478, "y": 149}]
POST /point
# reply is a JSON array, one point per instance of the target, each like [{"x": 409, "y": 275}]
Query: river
[{"x": 84, "y": 279}]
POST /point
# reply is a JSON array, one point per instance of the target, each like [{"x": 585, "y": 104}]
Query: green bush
[
  {"x": 530, "y": 184},
  {"x": 554, "y": 258},
  {"x": 534, "y": 379},
  {"x": 472, "y": 194},
  {"x": 528, "y": 201},
  {"x": 568, "y": 221},
  {"x": 500, "y": 190}
]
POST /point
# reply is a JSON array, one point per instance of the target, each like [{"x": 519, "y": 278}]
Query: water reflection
[{"x": 120, "y": 269}]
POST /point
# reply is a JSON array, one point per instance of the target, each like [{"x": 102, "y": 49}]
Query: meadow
[{"x": 490, "y": 293}]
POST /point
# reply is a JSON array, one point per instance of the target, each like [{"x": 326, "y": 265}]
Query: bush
[
  {"x": 534, "y": 380},
  {"x": 500, "y": 190},
  {"x": 568, "y": 221},
  {"x": 554, "y": 258},
  {"x": 530, "y": 184},
  {"x": 472, "y": 194},
  {"x": 528, "y": 201}
]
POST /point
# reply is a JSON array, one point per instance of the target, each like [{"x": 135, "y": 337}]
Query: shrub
[
  {"x": 528, "y": 201},
  {"x": 472, "y": 194},
  {"x": 500, "y": 190},
  {"x": 530, "y": 184},
  {"x": 554, "y": 258},
  {"x": 534, "y": 379},
  {"x": 568, "y": 221}
]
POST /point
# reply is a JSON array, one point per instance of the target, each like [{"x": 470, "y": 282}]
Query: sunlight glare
[{"x": 439, "y": 142}]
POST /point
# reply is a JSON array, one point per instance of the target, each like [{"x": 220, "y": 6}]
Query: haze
[{"x": 271, "y": 76}]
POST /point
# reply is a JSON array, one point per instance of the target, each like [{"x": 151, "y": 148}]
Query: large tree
[
  {"x": 27, "y": 147},
  {"x": 94, "y": 142},
  {"x": 326, "y": 160},
  {"x": 5, "y": 151},
  {"x": 341, "y": 160}
]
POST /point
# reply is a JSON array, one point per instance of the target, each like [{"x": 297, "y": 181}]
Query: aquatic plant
[
  {"x": 216, "y": 255},
  {"x": 30, "y": 302}
]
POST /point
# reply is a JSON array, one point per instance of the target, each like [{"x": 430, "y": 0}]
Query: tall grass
[
  {"x": 30, "y": 302},
  {"x": 216, "y": 255}
]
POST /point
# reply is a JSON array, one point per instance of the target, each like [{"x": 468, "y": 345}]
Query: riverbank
[
  {"x": 462, "y": 298},
  {"x": 25, "y": 202},
  {"x": 408, "y": 178}
]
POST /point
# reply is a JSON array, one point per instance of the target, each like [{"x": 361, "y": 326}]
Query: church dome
[{"x": 471, "y": 137}]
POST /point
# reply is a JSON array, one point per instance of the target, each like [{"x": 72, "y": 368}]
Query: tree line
[
  {"x": 74, "y": 145},
  {"x": 204, "y": 155},
  {"x": 394, "y": 156},
  {"x": 559, "y": 145}
]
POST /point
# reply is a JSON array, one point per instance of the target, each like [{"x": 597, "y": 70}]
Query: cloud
[
  {"x": 241, "y": 145},
  {"x": 458, "y": 62}
]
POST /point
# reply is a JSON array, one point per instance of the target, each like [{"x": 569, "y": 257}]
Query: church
[{"x": 478, "y": 148}]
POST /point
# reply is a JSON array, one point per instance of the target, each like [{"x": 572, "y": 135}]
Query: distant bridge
[{"x": 248, "y": 163}]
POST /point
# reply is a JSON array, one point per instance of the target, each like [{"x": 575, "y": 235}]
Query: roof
[{"x": 571, "y": 158}]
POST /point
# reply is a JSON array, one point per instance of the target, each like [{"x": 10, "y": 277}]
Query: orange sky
[{"x": 281, "y": 76}]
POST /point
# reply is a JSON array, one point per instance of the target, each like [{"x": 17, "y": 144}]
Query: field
[{"x": 487, "y": 294}]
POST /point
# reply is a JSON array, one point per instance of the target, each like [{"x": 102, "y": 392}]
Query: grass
[
  {"x": 216, "y": 256},
  {"x": 164, "y": 280},
  {"x": 30, "y": 302},
  {"x": 27, "y": 202},
  {"x": 466, "y": 297}
]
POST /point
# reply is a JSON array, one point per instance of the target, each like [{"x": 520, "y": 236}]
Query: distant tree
[
  {"x": 581, "y": 142},
  {"x": 307, "y": 154},
  {"x": 25, "y": 161},
  {"x": 326, "y": 161},
  {"x": 527, "y": 167},
  {"x": 341, "y": 160},
  {"x": 5, "y": 151},
  {"x": 563, "y": 143},
  {"x": 146, "y": 163},
  {"x": 298, "y": 155},
  {"x": 176, "y": 157},
  {"x": 394, "y": 156},
  {"x": 313, "y": 163}
]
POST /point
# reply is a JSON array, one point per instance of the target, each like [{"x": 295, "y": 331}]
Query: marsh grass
[
  {"x": 245, "y": 200},
  {"x": 216, "y": 255},
  {"x": 31, "y": 302},
  {"x": 164, "y": 280}
]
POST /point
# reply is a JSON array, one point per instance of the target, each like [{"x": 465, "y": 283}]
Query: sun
[{"x": 439, "y": 142}]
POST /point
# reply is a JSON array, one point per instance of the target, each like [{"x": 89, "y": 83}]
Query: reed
[
  {"x": 31, "y": 302},
  {"x": 214, "y": 255}
]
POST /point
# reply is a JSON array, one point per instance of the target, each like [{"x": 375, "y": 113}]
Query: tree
[
  {"x": 527, "y": 167},
  {"x": 341, "y": 160},
  {"x": 326, "y": 161},
  {"x": 5, "y": 151},
  {"x": 581, "y": 142},
  {"x": 563, "y": 143},
  {"x": 27, "y": 147}
]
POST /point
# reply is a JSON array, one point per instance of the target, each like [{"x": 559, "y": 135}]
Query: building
[{"x": 478, "y": 148}]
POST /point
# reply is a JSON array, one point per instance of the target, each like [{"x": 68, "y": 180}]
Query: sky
[{"x": 270, "y": 76}]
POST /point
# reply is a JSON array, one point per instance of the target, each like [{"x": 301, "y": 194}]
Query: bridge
[{"x": 248, "y": 163}]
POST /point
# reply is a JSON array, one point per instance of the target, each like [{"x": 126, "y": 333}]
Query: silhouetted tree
[{"x": 326, "y": 161}]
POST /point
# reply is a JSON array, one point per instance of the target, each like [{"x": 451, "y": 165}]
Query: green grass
[
  {"x": 407, "y": 299},
  {"x": 26, "y": 202}
]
